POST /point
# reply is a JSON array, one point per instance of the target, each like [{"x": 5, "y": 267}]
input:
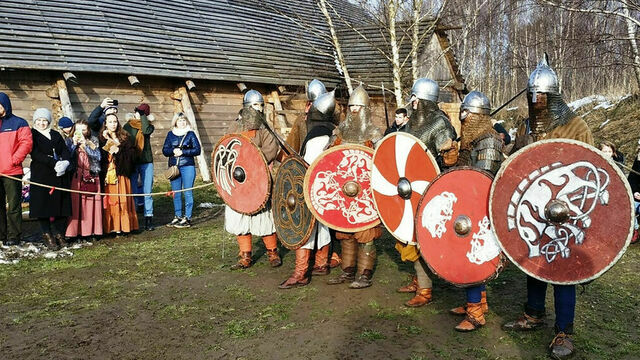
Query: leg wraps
[
  {"x": 244, "y": 242},
  {"x": 349, "y": 251},
  {"x": 270, "y": 241},
  {"x": 424, "y": 282},
  {"x": 366, "y": 257}
]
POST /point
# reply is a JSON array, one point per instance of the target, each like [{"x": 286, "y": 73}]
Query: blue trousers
[
  {"x": 564, "y": 297},
  {"x": 474, "y": 293},
  {"x": 184, "y": 181},
  {"x": 144, "y": 172}
]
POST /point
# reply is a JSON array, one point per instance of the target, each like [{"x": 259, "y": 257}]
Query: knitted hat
[
  {"x": 65, "y": 122},
  {"x": 42, "y": 113},
  {"x": 145, "y": 108}
]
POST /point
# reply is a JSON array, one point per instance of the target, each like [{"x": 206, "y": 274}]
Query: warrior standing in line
[
  {"x": 250, "y": 123},
  {"x": 357, "y": 128},
  {"x": 480, "y": 147},
  {"x": 432, "y": 126},
  {"x": 549, "y": 118},
  {"x": 320, "y": 125}
]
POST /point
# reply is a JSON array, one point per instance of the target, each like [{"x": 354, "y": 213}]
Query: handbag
[
  {"x": 173, "y": 172},
  {"x": 89, "y": 184}
]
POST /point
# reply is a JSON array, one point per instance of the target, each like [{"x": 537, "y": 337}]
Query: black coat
[
  {"x": 41, "y": 203},
  {"x": 634, "y": 178}
]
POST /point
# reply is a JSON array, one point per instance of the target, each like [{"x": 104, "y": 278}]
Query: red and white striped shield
[{"x": 402, "y": 170}]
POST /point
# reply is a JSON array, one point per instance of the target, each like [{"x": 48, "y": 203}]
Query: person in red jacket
[{"x": 15, "y": 145}]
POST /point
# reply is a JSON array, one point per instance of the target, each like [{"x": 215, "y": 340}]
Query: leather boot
[
  {"x": 525, "y": 323},
  {"x": 366, "y": 261},
  {"x": 244, "y": 261},
  {"x": 462, "y": 310},
  {"x": 410, "y": 288},
  {"x": 474, "y": 318},
  {"x": 299, "y": 276},
  {"x": 49, "y": 242},
  {"x": 271, "y": 243},
  {"x": 62, "y": 242},
  {"x": 423, "y": 297},
  {"x": 561, "y": 346},
  {"x": 148, "y": 223},
  {"x": 335, "y": 260},
  {"x": 321, "y": 266},
  {"x": 363, "y": 281},
  {"x": 348, "y": 275}
]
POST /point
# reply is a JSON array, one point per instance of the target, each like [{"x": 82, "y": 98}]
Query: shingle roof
[{"x": 235, "y": 40}]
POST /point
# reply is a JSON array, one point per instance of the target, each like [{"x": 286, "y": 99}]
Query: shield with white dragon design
[
  {"x": 453, "y": 228},
  {"x": 241, "y": 174},
  {"x": 561, "y": 211},
  {"x": 337, "y": 188},
  {"x": 402, "y": 170}
]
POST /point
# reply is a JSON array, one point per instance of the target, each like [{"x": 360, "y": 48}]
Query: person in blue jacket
[{"x": 181, "y": 146}]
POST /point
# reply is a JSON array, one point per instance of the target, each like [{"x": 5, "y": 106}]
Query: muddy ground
[{"x": 169, "y": 294}]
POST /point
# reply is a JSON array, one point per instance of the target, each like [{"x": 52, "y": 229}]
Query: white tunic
[
  {"x": 313, "y": 148},
  {"x": 260, "y": 224}
]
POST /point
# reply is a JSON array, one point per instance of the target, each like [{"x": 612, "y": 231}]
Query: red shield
[
  {"x": 453, "y": 228},
  {"x": 402, "y": 170},
  {"x": 338, "y": 188},
  {"x": 241, "y": 174},
  {"x": 561, "y": 211}
]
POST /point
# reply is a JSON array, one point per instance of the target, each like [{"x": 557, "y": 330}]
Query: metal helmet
[
  {"x": 543, "y": 79},
  {"x": 476, "y": 102},
  {"x": 325, "y": 103},
  {"x": 426, "y": 89},
  {"x": 359, "y": 96},
  {"x": 252, "y": 97},
  {"x": 315, "y": 89}
]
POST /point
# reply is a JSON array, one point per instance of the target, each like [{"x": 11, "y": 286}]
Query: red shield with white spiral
[{"x": 402, "y": 170}]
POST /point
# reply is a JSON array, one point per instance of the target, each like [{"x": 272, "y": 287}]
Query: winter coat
[
  {"x": 15, "y": 140},
  {"x": 394, "y": 128},
  {"x": 123, "y": 158},
  {"x": 147, "y": 129},
  {"x": 190, "y": 148},
  {"x": 95, "y": 120},
  {"x": 42, "y": 203},
  {"x": 634, "y": 179}
]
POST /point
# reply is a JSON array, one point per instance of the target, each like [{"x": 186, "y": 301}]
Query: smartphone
[{"x": 115, "y": 102}]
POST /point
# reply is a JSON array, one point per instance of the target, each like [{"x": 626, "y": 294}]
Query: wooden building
[{"x": 68, "y": 55}]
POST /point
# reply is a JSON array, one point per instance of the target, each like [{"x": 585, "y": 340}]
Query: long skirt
[
  {"x": 119, "y": 211},
  {"x": 86, "y": 212}
]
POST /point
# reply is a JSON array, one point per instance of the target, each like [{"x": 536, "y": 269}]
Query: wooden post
[
  {"x": 188, "y": 111},
  {"x": 280, "y": 119},
  {"x": 63, "y": 93}
]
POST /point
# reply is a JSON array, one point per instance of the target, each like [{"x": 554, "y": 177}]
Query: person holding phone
[
  {"x": 97, "y": 117},
  {"x": 86, "y": 210},
  {"x": 117, "y": 159}
]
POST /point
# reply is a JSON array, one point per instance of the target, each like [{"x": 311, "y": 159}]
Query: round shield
[
  {"x": 293, "y": 220},
  {"x": 337, "y": 188},
  {"x": 453, "y": 228},
  {"x": 402, "y": 170},
  {"x": 241, "y": 174},
  {"x": 561, "y": 211}
]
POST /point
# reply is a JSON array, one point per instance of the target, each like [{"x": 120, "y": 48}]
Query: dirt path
[{"x": 169, "y": 294}]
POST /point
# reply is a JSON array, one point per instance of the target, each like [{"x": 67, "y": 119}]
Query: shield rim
[
  {"x": 307, "y": 200},
  {"x": 501, "y": 258},
  {"x": 620, "y": 174},
  {"x": 307, "y": 235},
  {"x": 266, "y": 165},
  {"x": 433, "y": 162}
]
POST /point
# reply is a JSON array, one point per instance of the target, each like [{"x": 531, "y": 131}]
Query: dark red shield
[
  {"x": 293, "y": 220},
  {"x": 338, "y": 188},
  {"x": 453, "y": 228},
  {"x": 561, "y": 211},
  {"x": 241, "y": 174},
  {"x": 402, "y": 170}
]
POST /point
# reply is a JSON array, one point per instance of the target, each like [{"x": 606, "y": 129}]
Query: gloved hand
[{"x": 61, "y": 167}]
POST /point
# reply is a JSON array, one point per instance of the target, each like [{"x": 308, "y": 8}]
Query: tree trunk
[
  {"x": 415, "y": 39},
  {"x": 336, "y": 44},
  {"x": 395, "y": 54},
  {"x": 632, "y": 30}
]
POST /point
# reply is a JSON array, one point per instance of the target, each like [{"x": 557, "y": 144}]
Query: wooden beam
[
  {"x": 63, "y": 93},
  {"x": 188, "y": 111},
  {"x": 280, "y": 119}
]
